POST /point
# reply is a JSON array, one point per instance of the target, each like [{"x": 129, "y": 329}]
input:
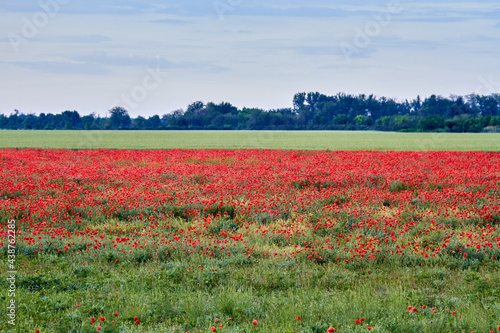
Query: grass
[
  {"x": 301, "y": 140},
  {"x": 60, "y": 294}
]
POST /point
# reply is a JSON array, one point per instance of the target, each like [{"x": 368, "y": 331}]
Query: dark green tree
[{"x": 119, "y": 118}]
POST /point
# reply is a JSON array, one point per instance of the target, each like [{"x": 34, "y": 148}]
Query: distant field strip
[{"x": 302, "y": 140}]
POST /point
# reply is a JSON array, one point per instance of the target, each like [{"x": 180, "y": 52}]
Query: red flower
[
  {"x": 254, "y": 322},
  {"x": 331, "y": 329},
  {"x": 213, "y": 329},
  {"x": 102, "y": 319}
]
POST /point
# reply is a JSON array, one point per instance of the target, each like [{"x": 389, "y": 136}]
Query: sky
[{"x": 154, "y": 57}]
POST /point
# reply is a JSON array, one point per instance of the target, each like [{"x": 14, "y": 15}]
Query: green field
[{"x": 303, "y": 140}]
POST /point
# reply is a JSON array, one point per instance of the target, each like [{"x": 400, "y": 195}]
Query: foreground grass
[
  {"x": 306, "y": 140},
  {"x": 62, "y": 294}
]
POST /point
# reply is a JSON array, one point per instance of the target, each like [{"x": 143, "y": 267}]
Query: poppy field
[{"x": 250, "y": 240}]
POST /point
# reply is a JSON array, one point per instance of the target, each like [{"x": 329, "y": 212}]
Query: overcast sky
[{"x": 153, "y": 57}]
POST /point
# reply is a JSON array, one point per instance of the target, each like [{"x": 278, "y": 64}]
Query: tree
[
  {"x": 29, "y": 122},
  {"x": 88, "y": 122},
  {"x": 226, "y": 108},
  {"x": 298, "y": 100},
  {"x": 431, "y": 123},
  {"x": 312, "y": 98},
  {"x": 119, "y": 118},
  {"x": 361, "y": 120},
  {"x": 70, "y": 120},
  {"x": 196, "y": 116},
  {"x": 458, "y": 107},
  {"x": 341, "y": 119},
  {"x": 139, "y": 122},
  {"x": 153, "y": 122}
]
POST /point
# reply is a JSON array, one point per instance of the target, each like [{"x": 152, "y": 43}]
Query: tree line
[{"x": 310, "y": 111}]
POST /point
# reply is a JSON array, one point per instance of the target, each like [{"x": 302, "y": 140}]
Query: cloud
[
  {"x": 81, "y": 39},
  {"x": 100, "y": 63},
  {"x": 492, "y": 14},
  {"x": 341, "y": 50},
  {"x": 17, "y": 6},
  {"x": 170, "y": 21},
  {"x": 77, "y": 7},
  {"x": 316, "y": 50},
  {"x": 405, "y": 43},
  {"x": 432, "y": 19},
  {"x": 304, "y": 11},
  {"x": 364, "y": 53},
  {"x": 62, "y": 67},
  {"x": 481, "y": 38},
  {"x": 440, "y": 11},
  {"x": 192, "y": 8},
  {"x": 97, "y": 63},
  {"x": 102, "y": 58}
]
